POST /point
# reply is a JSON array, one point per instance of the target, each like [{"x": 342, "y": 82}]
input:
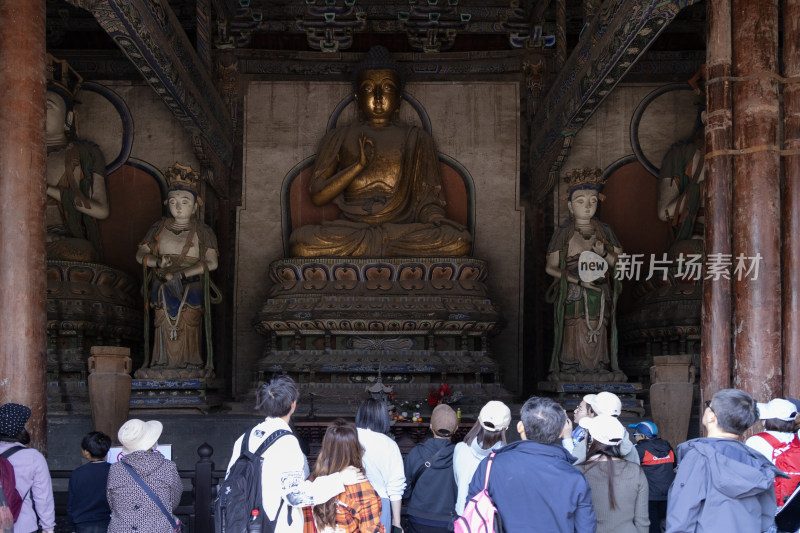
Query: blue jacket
[
  {"x": 536, "y": 488},
  {"x": 721, "y": 485}
]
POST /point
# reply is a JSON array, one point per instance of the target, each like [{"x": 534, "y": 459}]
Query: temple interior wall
[
  {"x": 606, "y": 137},
  {"x": 158, "y": 137},
  {"x": 476, "y": 123}
]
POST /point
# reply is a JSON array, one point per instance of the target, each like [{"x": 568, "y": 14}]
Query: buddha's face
[
  {"x": 182, "y": 205},
  {"x": 56, "y": 114},
  {"x": 583, "y": 204},
  {"x": 378, "y": 94}
]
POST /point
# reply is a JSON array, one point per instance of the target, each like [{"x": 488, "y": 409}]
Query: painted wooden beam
[
  {"x": 617, "y": 37},
  {"x": 149, "y": 33}
]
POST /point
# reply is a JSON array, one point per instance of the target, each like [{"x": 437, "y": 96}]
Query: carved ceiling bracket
[
  {"x": 150, "y": 35},
  {"x": 329, "y": 27},
  {"x": 618, "y": 36}
]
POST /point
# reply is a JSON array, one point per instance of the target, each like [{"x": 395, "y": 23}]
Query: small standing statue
[
  {"x": 581, "y": 258},
  {"x": 76, "y": 170},
  {"x": 383, "y": 175},
  {"x": 177, "y": 255}
]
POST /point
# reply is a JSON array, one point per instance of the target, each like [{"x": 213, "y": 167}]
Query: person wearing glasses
[{"x": 721, "y": 484}]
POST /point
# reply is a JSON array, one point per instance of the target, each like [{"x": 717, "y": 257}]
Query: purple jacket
[{"x": 35, "y": 487}]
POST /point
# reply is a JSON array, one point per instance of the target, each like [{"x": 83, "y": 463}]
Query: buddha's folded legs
[{"x": 343, "y": 238}]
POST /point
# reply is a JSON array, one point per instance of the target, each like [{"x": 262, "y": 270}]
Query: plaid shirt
[{"x": 358, "y": 510}]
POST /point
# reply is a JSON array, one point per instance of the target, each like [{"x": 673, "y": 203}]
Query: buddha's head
[{"x": 378, "y": 86}]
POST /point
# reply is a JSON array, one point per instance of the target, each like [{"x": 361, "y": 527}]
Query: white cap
[
  {"x": 604, "y": 403},
  {"x": 604, "y": 428},
  {"x": 495, "y": 416},
  {"x": 777, "y": 408}
]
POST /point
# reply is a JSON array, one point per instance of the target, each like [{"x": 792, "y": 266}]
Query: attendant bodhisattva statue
[
  {"x": 178, "y": 253},
  {"x": 585, "y": 344}
]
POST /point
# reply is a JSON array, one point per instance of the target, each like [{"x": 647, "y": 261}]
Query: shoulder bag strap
[
  {"x": 11, "y": 451},
  {"x": 152, "y": 495},
  {"x": 488, "y": 470},
  {"x": 269, "y": 441},
  {"x": 427, "y": 464}
]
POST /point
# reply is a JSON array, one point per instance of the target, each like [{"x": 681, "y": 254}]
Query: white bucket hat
[{"x": 136, "y": 435}]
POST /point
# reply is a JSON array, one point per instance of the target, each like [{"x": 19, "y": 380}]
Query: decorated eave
[
  {"x": 152, "y": 38},
  {"x": 609, "y": 47}
]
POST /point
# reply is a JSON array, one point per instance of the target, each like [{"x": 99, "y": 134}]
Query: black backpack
[{"x": 240, "y": 492}]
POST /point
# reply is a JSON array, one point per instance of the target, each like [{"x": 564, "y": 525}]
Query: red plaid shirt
[{"x": 358, "y": 510}]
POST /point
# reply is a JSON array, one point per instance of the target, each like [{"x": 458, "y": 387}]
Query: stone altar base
[
  {"x": 88, "y": 305},
  {"x": 200, "y": 393},
  {"x": 570, "y": 393},
  {"x": 334, "y": 324}
]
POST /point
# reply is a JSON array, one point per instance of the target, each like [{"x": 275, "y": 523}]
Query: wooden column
[
  {"x": 791, "y": 200},
  {"x": 715, "y": 346},
  {"x": 23, "y": 318},
  {"x": 756, "y": 199}
]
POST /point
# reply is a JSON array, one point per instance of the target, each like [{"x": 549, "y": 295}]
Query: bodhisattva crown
[
  {"x": 590, "y": 177},
  {"x": 182, "y": 178},
  {"x": 61, "y": 76}
]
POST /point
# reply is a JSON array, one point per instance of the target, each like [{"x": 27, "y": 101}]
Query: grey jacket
[{"x": 721, "y": 485}]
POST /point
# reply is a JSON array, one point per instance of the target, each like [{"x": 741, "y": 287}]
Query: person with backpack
[
  {"x": 431, "y": 488},
  {"x": 658, "y": 462},
  {"x": 779, "y": 443},
  {"x": 532, "y": 482},
  {"x": 32, "y": 476},
  {"x": 487, "y": 435},
  {"x": 280, "y": 486},
  {"x": 87, "y": 504},
  {"x": 144, "y": 487},
  {"x": 358, "y": 508}
]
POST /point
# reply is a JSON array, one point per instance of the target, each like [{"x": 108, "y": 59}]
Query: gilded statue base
[
  {"x": 88, "y": 304},
  {"x": 334, "y": 324}
]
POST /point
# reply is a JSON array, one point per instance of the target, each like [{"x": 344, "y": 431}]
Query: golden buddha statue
[{"x": 383, "y": 175}]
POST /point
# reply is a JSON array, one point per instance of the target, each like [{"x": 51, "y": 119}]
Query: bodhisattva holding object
[
  {"x": 581, "y": 258},
  {"x": 383, "y": 175},
  {"x": 76, "y": 170},
  {"x": 177, "y": 254}
]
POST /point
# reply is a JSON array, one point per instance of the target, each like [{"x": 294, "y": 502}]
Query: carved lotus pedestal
[
  {"x": 88, "y": 305},
  {"x": 333, "y": 324}
]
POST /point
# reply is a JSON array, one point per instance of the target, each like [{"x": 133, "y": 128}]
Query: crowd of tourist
[{"x": 562, "y": 475}]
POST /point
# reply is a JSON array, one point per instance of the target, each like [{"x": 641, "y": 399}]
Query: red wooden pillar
[
  {"x": 715, "y": 373},
  {"x": 23, "y": 318},
  {"x": 791, "y": 201},
  {"x": 756, "y": 199}
]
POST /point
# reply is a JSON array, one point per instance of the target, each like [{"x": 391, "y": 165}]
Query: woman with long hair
[
  {"x": 382, "y": 460},
  {"x": 358, "y": 508},
  {"x": 619, "y": 487},
  {"x": 487, "y": 435}
]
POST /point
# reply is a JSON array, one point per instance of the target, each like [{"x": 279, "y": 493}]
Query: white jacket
[
  {"x": 284, "y": 476},
  {"x": 466, "y": 458},
  {"x": 383, "y": 464}
]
